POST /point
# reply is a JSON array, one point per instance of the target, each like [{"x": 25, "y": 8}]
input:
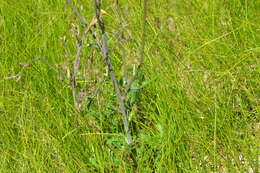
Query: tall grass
[{"x": 197, "y": 109}]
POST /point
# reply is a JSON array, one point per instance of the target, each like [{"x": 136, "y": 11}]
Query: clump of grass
[{"x": 197, "y": 109}]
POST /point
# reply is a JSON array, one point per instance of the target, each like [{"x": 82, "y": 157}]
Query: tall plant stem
[{"x": 105, "y": 53}]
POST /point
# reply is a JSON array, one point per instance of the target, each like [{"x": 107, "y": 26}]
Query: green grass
[{"x": 198, "y": 110}]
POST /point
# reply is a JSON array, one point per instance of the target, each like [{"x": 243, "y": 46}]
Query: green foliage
[{"x": 195, "y": 108}]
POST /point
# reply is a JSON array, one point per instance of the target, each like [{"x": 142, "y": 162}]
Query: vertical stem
[
  {"x": 105, "y": 53},
  {"x": 122, "y": 39},
  {"x": 141, "y": 58},
  {"x": 215, "y": 128},
  {"x": 76, "y": 69}
]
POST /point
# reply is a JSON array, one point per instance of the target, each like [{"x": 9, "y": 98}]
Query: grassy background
[{"x": 197, "y": 112}]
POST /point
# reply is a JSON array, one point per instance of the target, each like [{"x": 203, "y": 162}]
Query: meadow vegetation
[{"x": 194, "y": 106}]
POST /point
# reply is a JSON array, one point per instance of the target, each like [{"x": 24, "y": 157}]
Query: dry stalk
[
  {"x": 88, "y": 28},
  {"x": 76, "y": 70},
  {"x": 84, "y": 22},
  {"x": 105, "y": 53}
]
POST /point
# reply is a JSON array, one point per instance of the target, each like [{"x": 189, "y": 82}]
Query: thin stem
[
  {"x": 76, "y": 69},
  {"x": 141, "y": 58},
  {"x": 123, "y": 40},
  {"x": 105, "y": 53},
  {"x": 84, "y": 22}
]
